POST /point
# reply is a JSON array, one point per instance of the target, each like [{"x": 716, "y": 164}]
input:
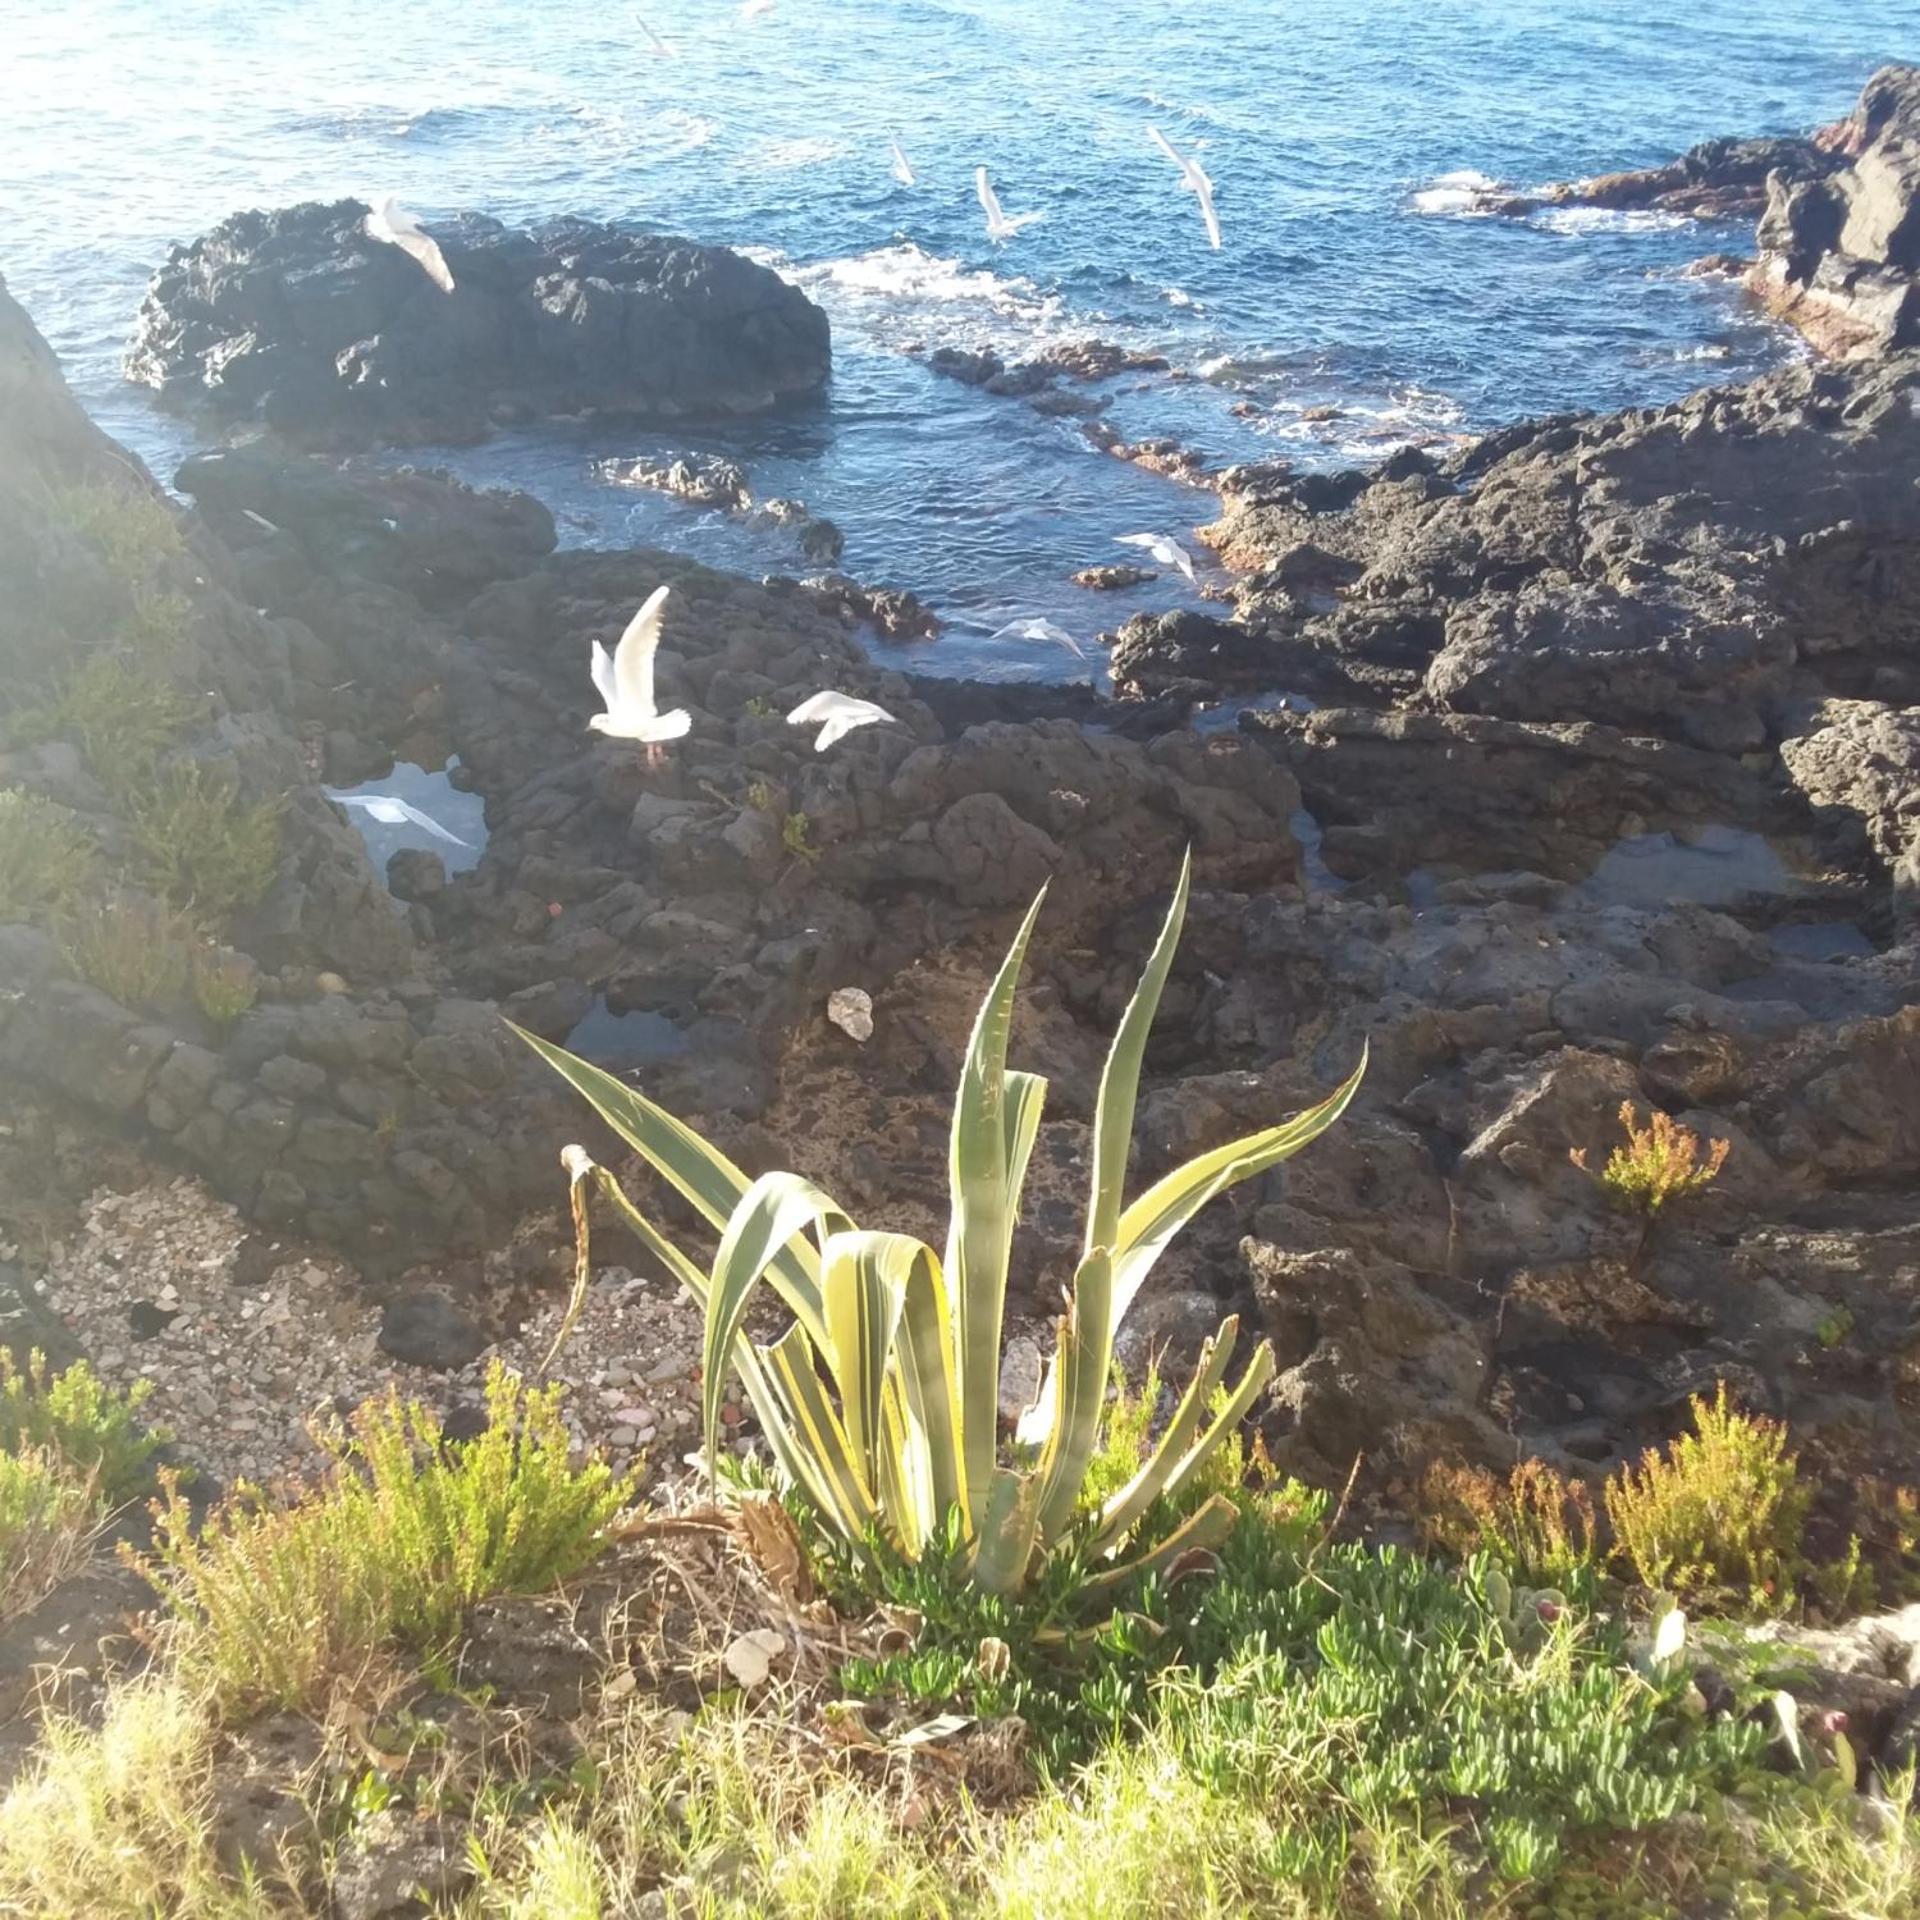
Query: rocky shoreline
[{"x": 1599, "y": 783}]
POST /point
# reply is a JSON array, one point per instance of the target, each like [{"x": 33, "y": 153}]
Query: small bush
[
  {"x": 47, "y": 1521},
  {"x": 133, "y": 531},
  {"x": 81, "y": 1421},
  {"x": 115, "y": 710},
  {"x": 225, "y": 983},
  {"x": 46, "y": 857},
  {"x": 134, "y": 951},
  {"x": 1717, "y": 1519},
  {"x": 1660, "y": 1163},
  {"x": 200, "y": 844},
  {"x": 403, "y": 1536},
  {"x": 1536, "y": 1525}
]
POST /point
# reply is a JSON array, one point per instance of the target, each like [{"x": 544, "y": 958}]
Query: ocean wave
[
  {"x": 1582, "y": 220},
  {"x": 1461, "y": 194},
  {"x": 782, "y": 156},
  {"x": 904, "y": 274}
]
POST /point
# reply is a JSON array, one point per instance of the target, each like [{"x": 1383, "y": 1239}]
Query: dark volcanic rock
[
  {"x": 426, "y": 1329},
  {"x": 1717, "y": 180},
  {"x": 297, "y": 318},
  {"x": 1840, "y": 248}
]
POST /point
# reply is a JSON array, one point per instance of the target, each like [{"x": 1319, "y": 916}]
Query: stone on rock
[{"x": 425, "y": 1329}]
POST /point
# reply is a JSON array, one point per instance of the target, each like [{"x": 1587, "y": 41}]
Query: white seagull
[
  {"x": 1038, "y": 629},
  {"x": 1000, "y": 226},
  {"x": 392, "y": 223},
  {"x": 901, "y": 170},
  {"x": 1193, "y": 177},
  {"x": 391, "y": 811},
  {"x": 753, "y": 9},
  {"x": 624, "y": 680},
  {"x": 836, "y": 715},
  {"x": 662, "y": 49},
  {"x": 1163, "y": 550}
]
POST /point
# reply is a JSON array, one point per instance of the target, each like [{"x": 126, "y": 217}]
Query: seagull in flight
[
  {"x": 392, "y": 223},
  {"x": 836, "y": 715},
  {"x": 1167, "y": 552},
  {"x": 1000, "y": 225},
  {"x": 624, "y": 681},
  {"x": 753, "y": 9},
  {"x": 1038, "y": 629},
  {"x": 391, "y": 811},
  {"x": 901, "y": 170},
  {"x": 662, "y": 49},
  {"x": 1193, "y": 178}
]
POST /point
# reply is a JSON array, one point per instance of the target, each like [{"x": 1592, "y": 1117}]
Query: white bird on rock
[
  {"x": 1038, "y": 629},
  {"x": 836, "y": 715},
  {"x": 1193, "y": 177},
  {"x": 901, "y": 170},
  {"x": 624, "y": 680},
  {"x": 1000, "y": 224},
  {"x": 391, "y": 811},
  {"x": 391, "y": 223},
  {"x": 1165, "y": 551}
]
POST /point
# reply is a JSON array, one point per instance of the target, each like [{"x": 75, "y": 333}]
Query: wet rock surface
[{"x": 298, "y": 319}]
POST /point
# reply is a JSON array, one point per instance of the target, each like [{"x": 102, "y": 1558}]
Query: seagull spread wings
[
  {"x": 392, "y": 223},
  {"x": 1000, "y": 225},
  {"x": 1036, "y": 628},
  {"x": 836, "y": 715},
  {"x": 1193, "y": 177},
  {"x": 1163, "y": 550},
  {"x": 391, "y": 811},
  {"x": 901, "y": 170},
  {"x": 624, "y": 680}
]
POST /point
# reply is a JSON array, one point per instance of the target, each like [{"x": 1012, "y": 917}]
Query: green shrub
[
  {"x": 133, "y": 530},
  {"x": 405, "y": 1533},
  {"x": 81, "y": 1421},
  {"x": 1717, "y": 1519},
  {"x": 46, "y": 857},
  {"x": 1536, "y": 1525},
  {"x": 47, "y": 1520},
  {"x": 225, "y": 983},
  {"x": 134, "y": 951},
  {"x": 1660, "y": 1163},
  {"x": 904, "y": 1446},
  {"x": 115, "y": 710},
  {"x": 198, "y": 843}
]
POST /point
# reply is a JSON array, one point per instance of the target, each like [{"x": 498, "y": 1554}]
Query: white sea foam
[
  {"x": 1458, "y": 195},
  {"x": 782, "y": 156},
  {"x": 906, "y": 275},
  {"x": 1581, "y": 220}
]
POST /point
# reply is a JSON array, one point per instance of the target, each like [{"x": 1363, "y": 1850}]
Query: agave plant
[{"x": 880, "y": 1401}]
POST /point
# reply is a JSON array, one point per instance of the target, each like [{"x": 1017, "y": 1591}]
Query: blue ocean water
[{"x": 1351, "y": 308}]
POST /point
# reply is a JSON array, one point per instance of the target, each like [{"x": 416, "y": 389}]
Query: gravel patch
[{"x": 247, "y": 1342}]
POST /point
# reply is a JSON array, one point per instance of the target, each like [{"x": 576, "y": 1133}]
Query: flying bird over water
[
  {"x": 662, "y": 49},
  {"x": 1000, "y": 226},
  {"x": 392, "y": 223},
  {"x": 625, "y": 683},
  {"x": 1167, "y": 552},
  {"x": 1038, "y": 629},
  {"x": 391, "y": 811},
  {"x": 1194, "y": 178},
  {"x": 753, "y": 9},
  {"x": 836, "y": 715},
  {"x": 901, "y": 170}
]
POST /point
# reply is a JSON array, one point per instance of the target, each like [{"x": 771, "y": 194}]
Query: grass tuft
[
  {"x": 202, "y": 847},
  {"x": 1536, "y": 1525},
  {"x": 46, "y": 857},
  {"x": 48, "y": 1518},
  {"x": 135, "y": 951}
]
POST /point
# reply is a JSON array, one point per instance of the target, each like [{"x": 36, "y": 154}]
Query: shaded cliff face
[
  {"x": 298, "y": 318},
  {"x": 1840, "y": 252}
]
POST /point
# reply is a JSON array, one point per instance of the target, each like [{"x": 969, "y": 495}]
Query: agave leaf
[
  {"x": 1082, "y": 1362},
  {"x": 930, "y": 1397},
  {"x": 812, "y": 1436},
  {"x": 696, "y": 1169},
  {"x": 1125, "y": 1507},
  {"x": 1206, "y": 1526},
  {"x": 863, "y": 1278},
  {"x": 771, "y": 1212},
  {"x": 1026, "y": 1095},
  {"x": 1009, "y": 1530},
  {"x": 981, "y": 1228},
  {"x": 1120, "y": 1079}
]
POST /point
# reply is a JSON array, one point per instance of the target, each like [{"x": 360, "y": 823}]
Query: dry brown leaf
[{"x": 773, "y": 1543}]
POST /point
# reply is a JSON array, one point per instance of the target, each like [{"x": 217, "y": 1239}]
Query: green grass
[
  {"x": 76, "y": 1418},
  {"x": 225, "y": 983},
  {"x": 197, "y": 843},
  {"x": 133, "y": 531},
  {"x": 279, "y": 1604},
  {"x": 48, "y": 1516},
  {"x": 134, "y": 951},
  {"x": 116, "y": 710},
  {"x": 46, "y": 857}
]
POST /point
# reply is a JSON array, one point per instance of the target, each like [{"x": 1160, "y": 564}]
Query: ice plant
[{"x": 880, "y": 1400}]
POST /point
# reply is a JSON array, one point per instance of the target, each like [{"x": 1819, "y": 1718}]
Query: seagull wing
[
  {"x": 989, "y": 200},
  {"x": 1204, "y": 192},
  {"x": 429, "y": 824},
  {"x": 902, "y": 171},
  {"x": 1151, "y": 541},
  {"x": 392, "y": 223},
  {"x": 1166, "y": 146},
  {"x": 662, "y": 48},
  {"x": 601, "y": 667},
  {"x": 633, "y": 657}
]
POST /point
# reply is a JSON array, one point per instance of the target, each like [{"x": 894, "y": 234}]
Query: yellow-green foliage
[
  {"x": 405, "y": 1533},
  {"x": 135, "y": 951},
  {"x": 114, "y": 709},
  {"x": 133, "y": 531},
  {"x": 795, "y": 836},
  {"x": 199, "y": 844},
  {"x": 225, "y": 983},
  {"x": 78, "y": 1419},
  {"x": 1536, "y": 1524},
  {"x": 1659, "y": 1163},
  {"x": 47, "y": 1519},
  {"x": 46, "y": 857},
  {"x": 1718, "y": 1517}
]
